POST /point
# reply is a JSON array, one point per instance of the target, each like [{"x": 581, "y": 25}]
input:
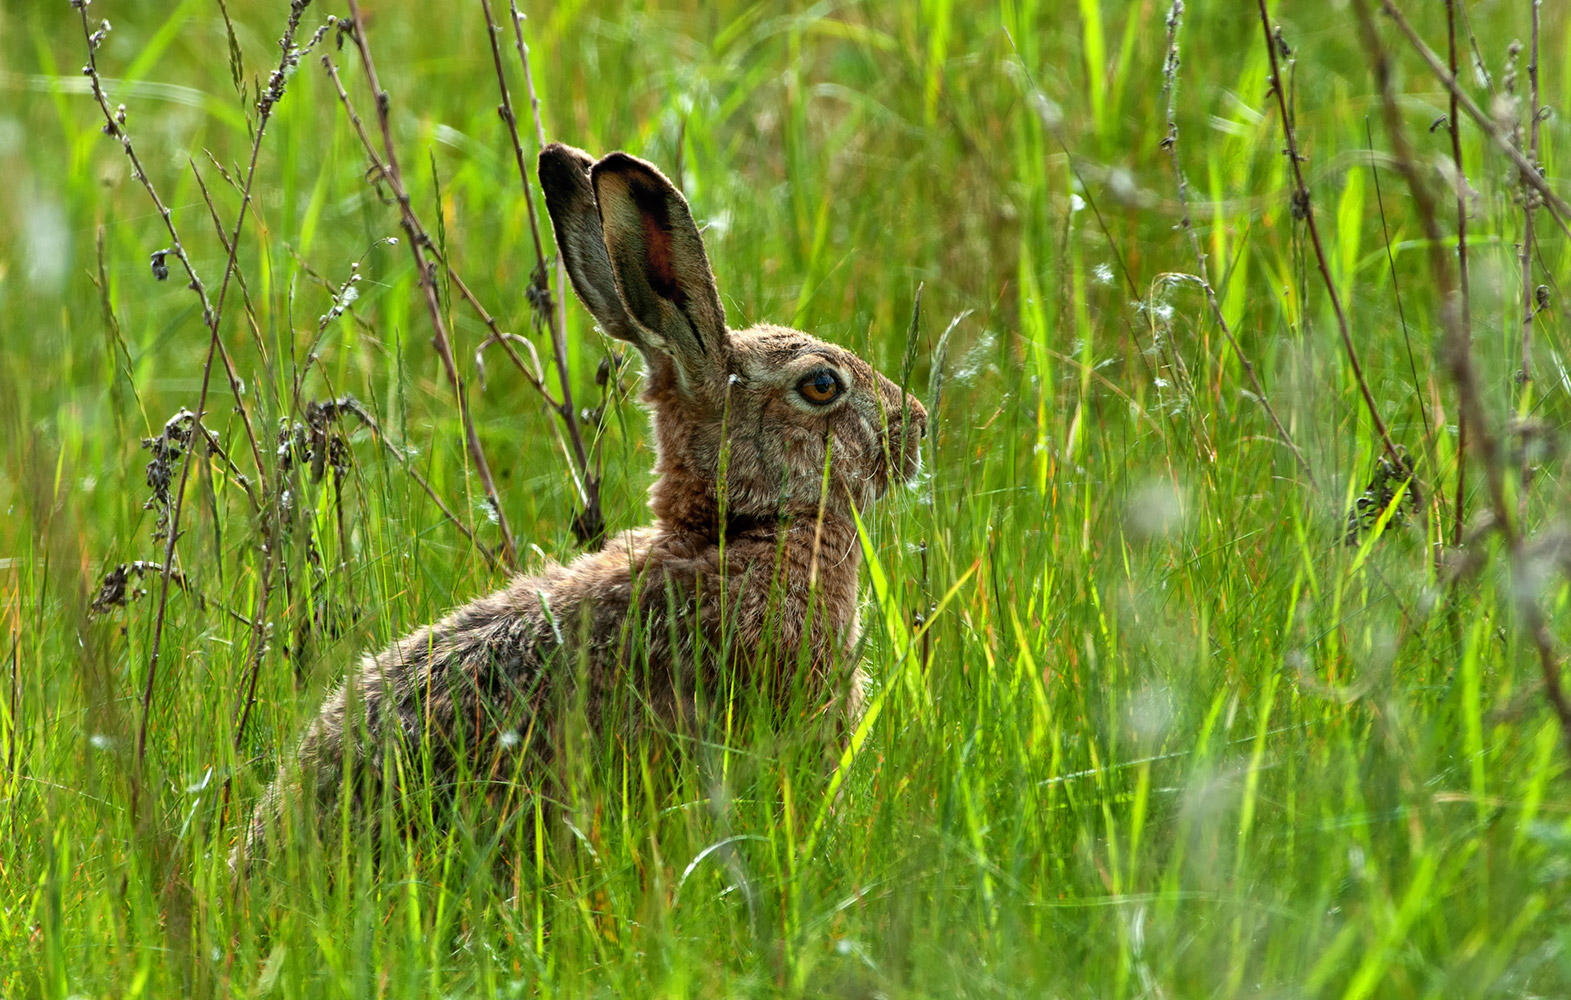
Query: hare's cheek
[{"x": 803, "y": 447}]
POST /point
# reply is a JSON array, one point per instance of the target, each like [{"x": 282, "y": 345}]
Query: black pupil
[{"x": 823, "y": 384}]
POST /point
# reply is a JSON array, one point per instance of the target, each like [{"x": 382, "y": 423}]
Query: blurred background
[{"x": 1167, "y": 735}]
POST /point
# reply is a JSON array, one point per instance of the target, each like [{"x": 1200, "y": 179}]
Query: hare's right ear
[
  {"x": 662, "y": 271},
  {"x": 570, "y": 200}
]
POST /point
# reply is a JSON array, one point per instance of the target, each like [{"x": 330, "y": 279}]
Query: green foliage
[{"x": 1160, "y": 732}]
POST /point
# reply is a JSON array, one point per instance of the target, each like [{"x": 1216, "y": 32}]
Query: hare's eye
[{"x": 821, "y": 387}]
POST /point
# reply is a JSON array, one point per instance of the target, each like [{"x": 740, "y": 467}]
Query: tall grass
[{"x": 1164, "y": 728}]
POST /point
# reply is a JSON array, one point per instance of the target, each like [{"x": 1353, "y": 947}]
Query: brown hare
[{"x": 766, "y": 439}]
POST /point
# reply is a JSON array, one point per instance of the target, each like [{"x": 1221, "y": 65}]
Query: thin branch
[
  {"x": 1457, "y": 346},
  {"x": 1303, "y": 206},
  {"x": 1454, "y": 127},
  {"x": 1396, "y": 287},
  {"x": 590, "y": 524},
  {"x": 534, "y": 375},
  {"x": 1170, "y": 143},
  {"x": 341, "y": 305},
  {"x": 1458, "y": 355},
  {"x": 223, "y": 239},
  {"x": 1407, "y": 340},
  {"x": 342, "y": 297},
  {"x": 403, "y": 459},
  {"x": 1529, "y": 202},
  {"x": 1558, "y": 209},
  {"x": 505, "y": 110},
  {"x": 505, "y": 339},
  {"x": 1529, "y": 206},
  {"x": 114, "y": 125},
  {"x": 386, "y": 169}
]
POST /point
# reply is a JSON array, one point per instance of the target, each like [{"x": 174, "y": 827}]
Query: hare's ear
[
  {"x": 658, "y": 258},
  {"x": 570, "y": 199}
]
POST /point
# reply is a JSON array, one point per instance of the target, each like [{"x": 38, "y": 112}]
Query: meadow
[{"x": 1218, "y": 651}]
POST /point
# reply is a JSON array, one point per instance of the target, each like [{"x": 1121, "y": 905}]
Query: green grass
[{"x": 1165, "y": 735}]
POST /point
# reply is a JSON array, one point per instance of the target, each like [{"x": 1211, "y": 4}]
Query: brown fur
[{"x": 753, "y": 572}]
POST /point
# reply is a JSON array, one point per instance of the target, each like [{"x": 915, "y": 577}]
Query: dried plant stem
[
  {"x": 1529, "y": 202},
  {"x": 387, "y": 169},
  {"x": 1463, "y": 285},
  {"x": 551, "y": 307},
  {"x": 1304, "y": 206},
  {"x": 1549, "y": 662},
  {"x": 223, "y": 238},
  {"x": 1457, "y": 351},
  {"x": 114, "y": 125},
  {"x": 529, "y": 80},
  {"x": 258, "y": 648},
  {"x": 1529, "y": 172},
  {"x": 271, "y": 550},
  {"x": 505, "y": 109},
  {"x": 533, "y": 375},
  {"x": 1396, "y": 288},
  {"x": 1529, "y": 206},
  {"x": 1170, "y": 143},
  {"x": 1456, "y": 347}
]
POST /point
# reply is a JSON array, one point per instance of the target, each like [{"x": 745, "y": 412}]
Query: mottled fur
[{"x": 750, "y": 566}]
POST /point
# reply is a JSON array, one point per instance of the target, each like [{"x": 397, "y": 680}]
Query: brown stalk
[
  {"x": 223, "y": 239},
  {"x": 505, "y": 110},
  {"x": 338, "y": 308},
  {"x": 114, "y": 125},
  {"x": 1396, "y": 289},
  {"x": 1457, "y": 345},
  {"x": 1457, "y": 351},
  {"x": 387, "y": 169},
  {"x": 552, "y": 307},
  {"x": 1303, "y": 206},
  {"x": 1529, "y": 205},
  {"x": 1558, "y": 209},
  {"x": 1454, "y": 127},
  {"x": 1528, "y": 202},
  {"x": 532, "y": 375},
  {"x": 271, "y": 551},
  {"x": 258, "y": 647},
  {"x": 420, "y": 481},
  {"x": 1170, "y": 143}
]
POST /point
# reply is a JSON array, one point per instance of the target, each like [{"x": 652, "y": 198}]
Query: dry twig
[
  {"x": 1454, "y": 127},
  {"x": 1170, "y": 143},
  {"x": 385, "y": 168},
  {"x": 1304, "y": 208},
  {"x": 1529, "y": 205},
  {"x": 589, "y": 525},
  {"x": 1558, "y": 209},
  {"x": 1457, "y": 352},
  {"x": 114, "y": 125}
]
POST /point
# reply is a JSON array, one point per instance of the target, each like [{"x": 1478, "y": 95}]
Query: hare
[{"x": 766, "y": 439}]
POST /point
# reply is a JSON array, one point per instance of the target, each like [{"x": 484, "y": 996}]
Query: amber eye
[{"x": 820, "y": 387}]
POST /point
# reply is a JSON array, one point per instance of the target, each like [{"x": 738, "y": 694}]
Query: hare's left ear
[
  {"x": 657, "y": 256},
  {"x": 570, "y": 200}
]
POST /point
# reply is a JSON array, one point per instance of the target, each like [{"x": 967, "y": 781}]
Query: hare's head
[{"x": 768, "y": 412}]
